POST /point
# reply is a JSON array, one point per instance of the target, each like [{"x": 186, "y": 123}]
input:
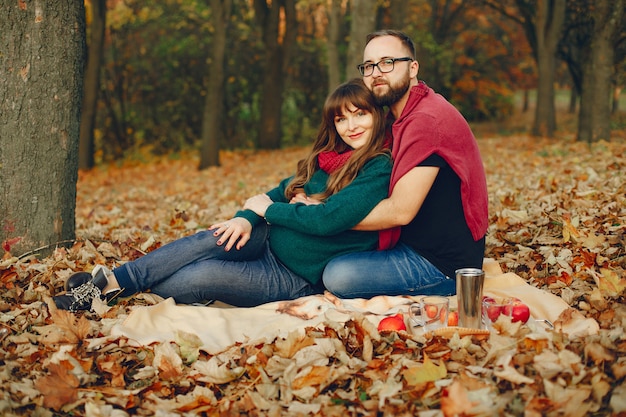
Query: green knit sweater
[{"x": 305, "y": 238}]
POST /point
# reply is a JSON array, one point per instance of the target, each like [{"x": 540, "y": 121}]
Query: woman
[{"x": 245, "y": 261}]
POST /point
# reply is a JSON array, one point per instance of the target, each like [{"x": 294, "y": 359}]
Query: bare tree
[
  {"x": 594, "y": 122},
  {"x": 278, "y": 24},
  {"x": 398, "y": 13},
  {"x": 41, "y": 81},
  {"x": 363, "y": 14},
  {"x": 443, "y": 26},
  {"x": 549, "y": 16},
  {"x": 332, "y": 44},
  {"x": 92, "y": 84},
  {"x": 542, "y": 21},
  {"x": 214, "y": 101}
]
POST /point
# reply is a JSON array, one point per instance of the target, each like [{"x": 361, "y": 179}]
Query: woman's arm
[
  {"x": 341, "y": 211},
  {"x": 237, "y": 231}
]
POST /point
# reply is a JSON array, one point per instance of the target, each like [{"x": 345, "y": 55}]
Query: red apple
[
  {"x": 453, "y": 318},
  {"x": 518, "y": 311},
  {"x": 394, "y": 323},
  {"x": 431, "y": 311},
  {"x": 494, "y": 311}
]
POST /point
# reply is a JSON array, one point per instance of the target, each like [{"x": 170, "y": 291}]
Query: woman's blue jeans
[
  {"x": 194, "y": 269},
  {"x": 398, "y": 271}
]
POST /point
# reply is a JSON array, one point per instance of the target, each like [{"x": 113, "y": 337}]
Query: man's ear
[{"x": 414, "y": 69}]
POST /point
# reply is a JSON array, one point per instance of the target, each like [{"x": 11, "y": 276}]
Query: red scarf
[{"x": 331, "y": 161}]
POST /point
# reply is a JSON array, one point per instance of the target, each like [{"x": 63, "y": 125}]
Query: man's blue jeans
[
  {"x": 398, "y": 271},
  {"x": 195, "y": 269}
]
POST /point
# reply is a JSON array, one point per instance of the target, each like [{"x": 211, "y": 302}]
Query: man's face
[{"x": 388, "y": 87}]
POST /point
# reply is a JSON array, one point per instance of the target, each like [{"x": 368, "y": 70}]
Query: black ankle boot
[
  {"x": 76, "y": 280},
  {"x": 83, "y": 288}
]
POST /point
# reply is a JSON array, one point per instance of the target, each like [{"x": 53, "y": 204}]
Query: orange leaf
[
  {"x": 455, "y": 400},
  {"x": 317, "y": 376},
  {"x": 66, "y": 321},
  {"x": 60, "y": 387}
]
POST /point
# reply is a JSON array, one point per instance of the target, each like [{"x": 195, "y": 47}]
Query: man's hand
[
  {"x": 234, "y": 231},
  {"x": 258, "y": 204},
  {"x": 304, "y": 199},
  {"x": 405, "y": 200}
]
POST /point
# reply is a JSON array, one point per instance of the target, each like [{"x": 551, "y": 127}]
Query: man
[{"x": 436, "y": 215}]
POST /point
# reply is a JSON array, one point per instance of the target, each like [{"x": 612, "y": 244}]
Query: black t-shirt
[{"x": 439, "y": 232}]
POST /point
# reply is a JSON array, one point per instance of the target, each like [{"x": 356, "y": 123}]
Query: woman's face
[{"x": 355, "y": 126}]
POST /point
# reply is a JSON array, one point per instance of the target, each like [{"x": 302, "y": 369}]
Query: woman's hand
[
  {"x": 258, "y": 204},
  {"x": 304, "y": 199},
  {"x": 234, "y": 231}
]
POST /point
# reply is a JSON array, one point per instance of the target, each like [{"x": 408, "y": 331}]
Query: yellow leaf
[
  {"x": 189, "y": 345},
  {"x": 426, "y": 372},
  {"x": 317, "y": 375},
  {"x": 294, "y": 342},
  {"x": 610, "y": 282},
  {"x": 570, "y": 233}
]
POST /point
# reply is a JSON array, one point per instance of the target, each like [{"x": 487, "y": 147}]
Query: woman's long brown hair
[{"x": 355, "y": 93}]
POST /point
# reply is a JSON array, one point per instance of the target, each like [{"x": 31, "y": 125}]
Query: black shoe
[
  {"x": 79, "y": 278},
  {"x": 76, "y": 280},
  {"x": 83, "y": 288}
]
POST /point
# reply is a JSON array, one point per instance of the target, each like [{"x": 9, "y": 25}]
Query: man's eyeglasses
[{"x": 384, "y": 65}]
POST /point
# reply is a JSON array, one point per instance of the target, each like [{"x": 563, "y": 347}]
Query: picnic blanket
[{"x": 221, "y": 326}]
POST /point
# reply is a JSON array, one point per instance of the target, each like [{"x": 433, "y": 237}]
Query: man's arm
[{"x": 404, "y": 202}]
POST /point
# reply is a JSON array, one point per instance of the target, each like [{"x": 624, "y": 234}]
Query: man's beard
[{"x": 394, "y": 93}]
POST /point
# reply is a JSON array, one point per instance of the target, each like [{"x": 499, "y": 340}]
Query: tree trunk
[
  {"x": 278, "y": 36},
  {"x": 573, "y": 99},
  {"x": 91, "y": 84},
  {"x": 550, "y": 16},
  {"x": 41, "y": 80},
  {"x": 525, "y": 103},
  {"x": 399, "y": 15},
  {"x": 617, "y": 90},
  {"x": 332, "y": 44},
  {"x": 212, "y": 130},
  {"x": 602, "y": 54},
  {"x": 363, "y": 22},
  {"x": 595, "y": 117},
  {"x": 584, "y": 114}
]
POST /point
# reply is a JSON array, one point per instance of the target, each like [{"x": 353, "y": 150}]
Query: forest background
[
  {"x": 163, "y": 61},
  {"x": 129, "y": 79}
]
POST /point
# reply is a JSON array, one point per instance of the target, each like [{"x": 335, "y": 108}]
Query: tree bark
[
  {"x": 41, "y": 80},
  {"x": 212, "y": 130},
  {"x": 91, "y": 85},
  {"x": 542, "y": 21},
  {"x": 399, "y": 16},
  {"x": 617, "y": 90},
  {"x": 594, "y": 122},
  {"x": 278, "y": 36},
  {"x": 363, "y": 22},
  {"x": 334, "y": 37},
  {"x": 525, "y": 103},
  {"x": 550, "y": 16},
  {"x": 573, "y": 100}
]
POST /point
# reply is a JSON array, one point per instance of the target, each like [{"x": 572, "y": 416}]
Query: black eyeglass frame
[{"x": 361, "y": 67}]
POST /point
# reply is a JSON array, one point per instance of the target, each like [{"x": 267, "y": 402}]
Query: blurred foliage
[{"x": 155, "y": 67}]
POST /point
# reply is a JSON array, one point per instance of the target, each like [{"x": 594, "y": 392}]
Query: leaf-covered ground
[{"x": 558, "y": 219}]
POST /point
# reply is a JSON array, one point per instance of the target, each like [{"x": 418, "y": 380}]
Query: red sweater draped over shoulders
[{"x": 428, "y": 125}]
